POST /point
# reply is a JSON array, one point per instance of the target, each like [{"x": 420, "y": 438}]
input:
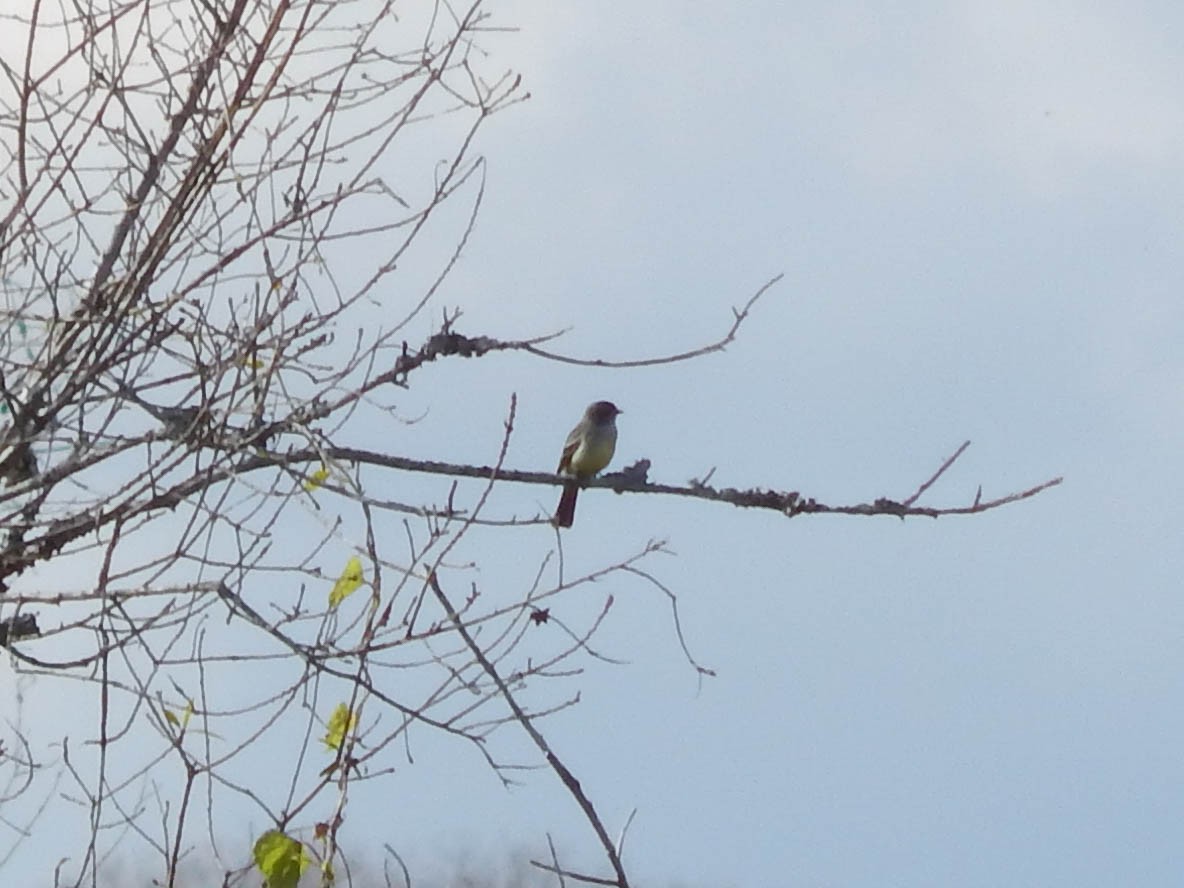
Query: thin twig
[{"x": 739, "y": 315}]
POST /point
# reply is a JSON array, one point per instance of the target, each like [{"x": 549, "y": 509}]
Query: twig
[
  {"x": 739, "y": 315},
  {"x": 941, "y": 471},
  {"x": 565, "y": 775}
]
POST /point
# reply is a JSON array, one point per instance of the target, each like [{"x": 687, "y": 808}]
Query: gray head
[{"x": 602, "y": 412}]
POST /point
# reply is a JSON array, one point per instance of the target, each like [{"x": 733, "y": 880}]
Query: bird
[{"x": 588, "y": 449}]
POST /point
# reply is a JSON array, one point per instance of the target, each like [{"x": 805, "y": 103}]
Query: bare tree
[{"x": 187, "y": 335}]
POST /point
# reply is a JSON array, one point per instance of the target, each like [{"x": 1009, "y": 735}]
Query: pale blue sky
[{"x": 978, "y": 211}]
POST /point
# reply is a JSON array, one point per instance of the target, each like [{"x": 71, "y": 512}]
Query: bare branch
[{"x": 739, "y": 316}]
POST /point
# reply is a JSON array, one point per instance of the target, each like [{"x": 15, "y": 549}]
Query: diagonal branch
[{"x": 557, "y": 765}]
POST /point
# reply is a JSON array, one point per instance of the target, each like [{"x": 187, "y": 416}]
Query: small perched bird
[{"x": 588, "y": 449}]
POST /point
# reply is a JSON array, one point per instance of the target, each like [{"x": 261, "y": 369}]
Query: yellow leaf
[
  {"x": 317, "y": 478},
  {"x": 281, "y": 860},
  {"x": 341, "y": 722},
  {"x": 348, "y": 583},
  {"x": 183, "y": 721}
]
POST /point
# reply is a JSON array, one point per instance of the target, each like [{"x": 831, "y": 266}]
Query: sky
[{"x": 977, "y": 210}]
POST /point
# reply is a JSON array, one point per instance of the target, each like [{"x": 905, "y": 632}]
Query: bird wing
[{"x": 569, "y": 449}]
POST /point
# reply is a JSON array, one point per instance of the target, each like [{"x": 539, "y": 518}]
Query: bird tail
[{"x": 566, "y": 513}]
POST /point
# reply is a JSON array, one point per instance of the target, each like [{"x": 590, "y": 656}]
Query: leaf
[
  {"x": 317, "y": 478},
  {"x": 349, "y": 582},
  {"x": 282, "y": 860},
  {"x": 341, "y": 722},
  {"x": 182, "y": 721}
]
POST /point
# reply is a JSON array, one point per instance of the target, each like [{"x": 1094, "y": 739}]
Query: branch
[
  {"x": 14, "y": 561},
  {"x": 448, "y": 343},
  {"x": 739, "y": 315},
  {"x": 633, "y": 479},
  {"x": 565, "y": 775}
]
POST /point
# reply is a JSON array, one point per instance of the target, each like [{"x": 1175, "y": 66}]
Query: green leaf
[
  {"x": 281, "y": 860},
  {"x": 349, "y": 582},
  {"x": 341, "y": 722}
]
